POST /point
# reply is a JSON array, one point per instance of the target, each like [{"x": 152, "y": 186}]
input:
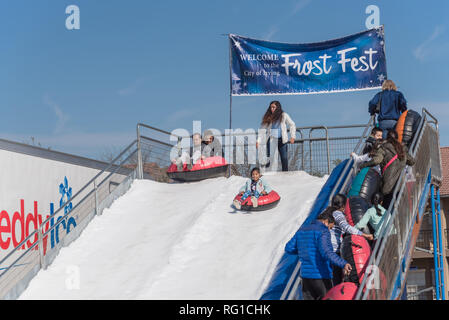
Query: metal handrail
[
  {"x": 420, "y": 292},
  {"x": 46, "y": 221},
  {"x": 379, "y": 247},
  {"x": 298, "y": 129},
  {"x": 334, "y": 127},
  {"x": 327, "y": 146},
  {"x": 380, "y": 244},
  {"x": 228, "y": 135},
  {"x": 435, "y": 120},
  {"x": 111, "y": 164},
  {"x": 154, "y": 140},
  {"x": 157, "y": 129},
  {"x": 139, "y": 146},
  {"x": 350, "y": 164}
]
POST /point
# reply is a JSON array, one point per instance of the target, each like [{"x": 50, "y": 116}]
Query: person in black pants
[
  {"x": 312, "y": 243},
  {"x": 275, "y": 122},
  {"x": 315, "y": 289}
]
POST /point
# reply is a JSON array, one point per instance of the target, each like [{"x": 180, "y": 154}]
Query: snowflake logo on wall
[{"x": 66, "y": 194}]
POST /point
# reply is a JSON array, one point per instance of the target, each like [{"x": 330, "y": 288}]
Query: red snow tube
[
  {"x": 265, "y": 202},
  {"x": 356, "y": 251},
  {"x": 211, "y": 167},
  {"x": 343, "y": 291},
  {"x": 407, "y": 125},
  {"x": 377, "y": 283}
]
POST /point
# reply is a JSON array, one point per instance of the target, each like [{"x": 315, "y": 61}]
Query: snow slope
[{"x": 179, "y": 241}]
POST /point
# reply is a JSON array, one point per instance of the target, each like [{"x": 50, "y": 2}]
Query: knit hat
[{"x": 207, "y": 134}]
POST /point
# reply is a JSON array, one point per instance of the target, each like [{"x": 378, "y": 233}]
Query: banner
[{"x": 355, "y": 62}]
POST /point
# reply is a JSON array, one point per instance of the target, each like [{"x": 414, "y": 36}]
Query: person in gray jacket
[{"x": 210, "y": 146}]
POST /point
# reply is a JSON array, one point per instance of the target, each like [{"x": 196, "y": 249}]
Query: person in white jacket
[
  {"x": 187, "y": 159},
  {"x": 274, "y": 125}
]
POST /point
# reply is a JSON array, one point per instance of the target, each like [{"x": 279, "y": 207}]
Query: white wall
[{"x": 28, "y": 185}]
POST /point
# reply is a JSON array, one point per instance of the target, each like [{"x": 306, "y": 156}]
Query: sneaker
[
  {"x": 254, "y": 201},
  {"x": 237, "y": 204},
  {"x": 266, "y": 164}
]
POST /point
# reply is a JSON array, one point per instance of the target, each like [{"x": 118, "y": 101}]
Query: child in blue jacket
[{"x": 254, "y": 188}]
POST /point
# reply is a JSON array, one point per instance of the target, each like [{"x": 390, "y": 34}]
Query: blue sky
[{"x": 165, "y": 63}]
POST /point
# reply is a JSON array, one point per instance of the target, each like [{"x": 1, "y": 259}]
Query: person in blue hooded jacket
[
  {"x": 312, "y": 243},
  {"x": 392, "y": 103}
]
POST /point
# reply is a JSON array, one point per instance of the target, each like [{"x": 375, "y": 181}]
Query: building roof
[{"x": 444, "y": 189}]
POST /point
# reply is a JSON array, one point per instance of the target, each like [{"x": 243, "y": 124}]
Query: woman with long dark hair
[
  {"x": 275, "y": 122},
  {"x": 342, "y": 227},
  {"x": 392, "y": 158}
]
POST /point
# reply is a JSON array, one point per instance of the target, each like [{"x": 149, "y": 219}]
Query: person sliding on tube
[
  {"x": 211, "y": 147},
  {"x": 313, "y": 245},
  {"x": 184, "y": 162},
  {"x": 254, "y": 188}
]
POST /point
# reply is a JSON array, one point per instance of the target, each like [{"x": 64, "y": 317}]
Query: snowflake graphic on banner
[
  {"x": 236, "y": 87},
  {"x": 238, "y": 45},
  {"x": 236, "y": 83},
  {"x": 380, "y": 32},
  {"x": 66, "y": 194}
]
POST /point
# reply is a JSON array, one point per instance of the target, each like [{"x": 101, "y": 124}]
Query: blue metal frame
[
  {"x": 435, "y": 245},
  {"x": 438, "y": 249},
  {"x": 441, "y": 247}
]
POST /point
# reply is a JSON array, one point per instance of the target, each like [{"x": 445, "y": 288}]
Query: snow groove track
[{"x": 179, "y": 241}]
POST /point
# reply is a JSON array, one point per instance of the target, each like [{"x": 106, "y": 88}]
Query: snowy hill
[{"x": 179, "y": 241}]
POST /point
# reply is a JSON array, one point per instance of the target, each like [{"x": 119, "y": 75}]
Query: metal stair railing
[
  {"x": 351, "y": 166},
  {"x": 43, "y": 244},
  {"x": 349, "y": 171},
  {"x": 390, "y": 258}
]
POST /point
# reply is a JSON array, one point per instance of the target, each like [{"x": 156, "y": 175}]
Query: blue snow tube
[{"x": 365, "y": 184}]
